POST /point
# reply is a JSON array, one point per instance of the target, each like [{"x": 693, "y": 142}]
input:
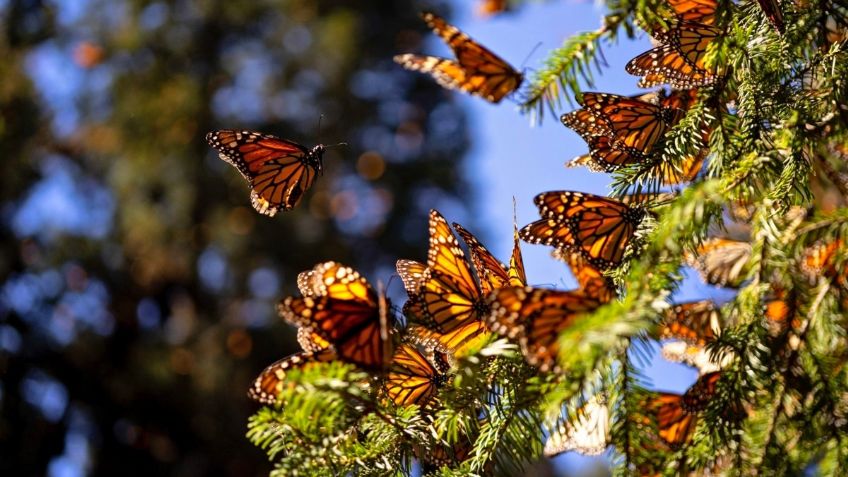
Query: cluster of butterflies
[{"x": 456, "y": 304}]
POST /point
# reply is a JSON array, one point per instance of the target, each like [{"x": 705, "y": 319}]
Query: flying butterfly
[
  {"x": 535, "y": 317},
  {"x": 597, "y": 227},
  {"x": 720, "y": 261},
  {"x": 587, "y": 433},
  {"x": 413, "y": 378},
  {"x": 590, "y": 281},
  {"x": 344, "y": 311},
  {"x": 679, "y": 60},
  {"x": 278, "y": 171},
  {"x": 476, "y": 70}
]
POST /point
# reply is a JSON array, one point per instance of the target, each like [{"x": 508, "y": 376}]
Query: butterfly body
[
  {"x": 278, "y": 171},
  {"x": 476, "y": 70}
]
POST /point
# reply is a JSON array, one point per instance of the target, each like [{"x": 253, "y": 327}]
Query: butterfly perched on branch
[
  {"x": 677, "y": 414},
  {"x": 535, "y": 317},
  {"x": 586, "y": 433},
  {"x": 620, "y": 130},
  {"x": 599, "y": 228},
  {"x": 269, "y": 384},
  {"x": 342, "y": 309},
  {"x": 278, "y": 171},
  {"x": 690, "y": 326},
  {"x": 414, "y": 378},
  {"x": 476, "y": 70},
  {"x": 447, "y": 297},
  {"x": 721, "y": 261},
  {"x": 679, "y": 60}
]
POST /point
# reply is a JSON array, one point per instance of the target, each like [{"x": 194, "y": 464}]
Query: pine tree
[{"x": 770, "y": 119}]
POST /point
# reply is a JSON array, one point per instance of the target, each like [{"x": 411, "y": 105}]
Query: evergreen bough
[{"x": 778, "y": 146}]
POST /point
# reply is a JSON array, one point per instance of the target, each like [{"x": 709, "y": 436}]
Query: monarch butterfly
[
  {"x": 590, "y": 281},
  {"x": 587, "y": 433},
  {"x": 597, "y": 227},
  {"x": 677, "y": 415},
  {"x": 535, "y": 317},
  {"x": 271, "y": 381},
  {"x": 636, "y": 125},
  {"x": 695, "y": 322},
  {"x": 413, "y": 378},
  {"x": 490, "y": 271},
  {"x": 696, "y": 11},
  {"x": 720, "y": 261},
  {"x": 443, "y": 296},
  {"x": 695, "y": 356},
  {"x": 476, "y": 70},
  {"x": 820, "y": 259},
  {"x": 679, "y": 60},
  {"x": 344, "y": 311},
  {"x": 279, "y": 171}
]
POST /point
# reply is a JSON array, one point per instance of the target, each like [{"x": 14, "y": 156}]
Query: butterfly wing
[
  {"x": 412, "y": 379},
  {"x": 476, "y": 70},
  {"x": 345, "y": 312},
  {"x": 698, "y": 11},
  {"x": 674, "y": 423},
  {"x": 721, "y": 261},
  {"x": 679, "y": 60},
  {"x": 491, "y": 272},
  {"x": 268, "y": 385},
  {"x": 536, "y": 317},
  {"x": 517, "y": 275},
  {"x": 278, "y": 171},
  {"x": 587, "y": 433},
  {"x": 694, "y": 322},
  {"x": 590, "y": 280},
  {"x": 636, "y": 125}
]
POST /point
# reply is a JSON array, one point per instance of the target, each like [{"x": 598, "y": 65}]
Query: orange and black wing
[
  {"x": 451, "y": 297},
  {"x": 412, "y": 378},
  {"x": 679, "y": 60},
  {"x": 601, "y": 227},
  {"x": 278, "y": 171},
  {"x": 476, "y": 70},
  {"x": 674, "y": 423},
  {"x": 536, "y": 317},
  {"x": 699, "y": 395},
  {"x": 346, "y": 312},
  {"x": 268, "y": 385},
  {"x": 636, "y": 125},
  {"x": 491, "y": 272},
  {"x": 697, "y": 11},
  {"x": 590, "y": 280},
  {"x": 694, "y": 322}
]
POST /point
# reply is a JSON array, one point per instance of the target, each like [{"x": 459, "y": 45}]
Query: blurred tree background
[{"x": 137, "y": 285}]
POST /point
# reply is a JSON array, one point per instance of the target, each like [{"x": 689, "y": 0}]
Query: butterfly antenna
[
  {"x": 527, "y": 58},
  {"x": 318, "y": 135},
  {"x": 339, "y": 144}
]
